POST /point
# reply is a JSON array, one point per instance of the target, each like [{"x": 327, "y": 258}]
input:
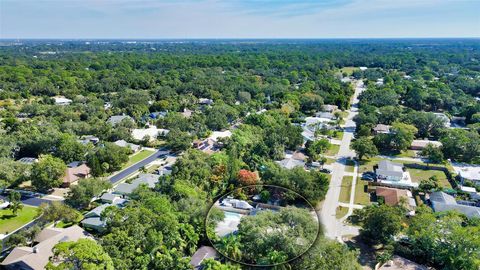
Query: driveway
[{"x": 126, "y": 172}]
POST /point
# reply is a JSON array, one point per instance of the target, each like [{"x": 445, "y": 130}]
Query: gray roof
[
  {"x": 94, "y": 222},
  {"x": 204, "y": 252},
  {"x": 108, "y": 196},
  {"x": 441, "y": 201},
  {"x": 116, "y": 119},
  {"x": 386, "y": 167},
  {"x": 290, "y": 163},
  {"x": 442, "y": 197},
  {"x": 124, "y": 188},
  {"x": 97, "y": 211},
  {"x": 147, "y": 178}
]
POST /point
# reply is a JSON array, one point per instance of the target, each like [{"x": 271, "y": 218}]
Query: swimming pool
[{"x": 232, "y": 215}]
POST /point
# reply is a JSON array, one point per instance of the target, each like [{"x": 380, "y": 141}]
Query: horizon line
[{"x": 243, "y": 38}]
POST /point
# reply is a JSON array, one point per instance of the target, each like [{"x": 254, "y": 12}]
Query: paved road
[
  {"x": 334, "y": 228},
  {"x": 126, "y": 172},
  {"x": 30, "y": 201}
]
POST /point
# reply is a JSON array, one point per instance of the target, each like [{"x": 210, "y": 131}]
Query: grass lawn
[
  {"x": 346, "y": 189},
  {"x": 417, "y": 175},
  {"x": 348, "y": 70},
  {"x": 350, "y": 167},
  {"x": 339, "y": 135},
  {"x": 330, "y": 161},
  {"x": 367, "y": 164},
  {"x": 9, "y": 222},
  {"x": 137, "y": 157},
  {"x": 361, "y": 196},
  {"x": 332, "y": 150},
  {"x": 341, "y": 211},
  {"x": 408, "y": 153}
]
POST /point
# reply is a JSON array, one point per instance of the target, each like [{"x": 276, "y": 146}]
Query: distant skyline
[{"x": 164, "y": 19}]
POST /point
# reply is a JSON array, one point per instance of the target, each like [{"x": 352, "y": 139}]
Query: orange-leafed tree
[{"x": 246, "y": 177}]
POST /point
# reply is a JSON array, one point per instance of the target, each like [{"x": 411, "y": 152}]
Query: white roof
[
  {"x": 467, "y": 171},
  {"x": 152, "y": 132},
  {"x": 220, "y": 134},
  {"x": 62, "y": 100},
  {"x": 468, "y": 189}
]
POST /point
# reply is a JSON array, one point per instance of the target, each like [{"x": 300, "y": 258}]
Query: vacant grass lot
[
  {"x": 9, "y": 222},
  {"x": 332, "y": 150},
  {"x": 348, "y": 70},
  {"x": 137, "y": 157},
  {"x": 346, "y": 189},
  {"x": 361, "y": 195}
]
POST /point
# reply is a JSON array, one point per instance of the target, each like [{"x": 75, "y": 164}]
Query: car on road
[
  {"x": 369, "y": 176},
  {"x": 325, "y": 171}
]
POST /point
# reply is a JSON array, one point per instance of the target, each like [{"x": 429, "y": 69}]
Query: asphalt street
[{"x": 126, "y": 172}]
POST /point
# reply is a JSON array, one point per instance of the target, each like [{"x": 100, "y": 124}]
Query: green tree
[
  {"x": 364, "y": 146},
  {"x": 178, "y": 140},
  {"x": 81, "y": 194},
  {"x": 58, "y": 211},
  {"x": 82, "y": 254},
  {"x": 381, "y": 223},
  {"x": 47, "y": 173},
  {"x": 432, "y": 153},
  {"x": 316, "y": 148},
  {"x": 69, "y": 149},
  {"x": 15, "y": 203},
  {"x": 402, "y": 136},
  {"x": 429, "y": 184}
]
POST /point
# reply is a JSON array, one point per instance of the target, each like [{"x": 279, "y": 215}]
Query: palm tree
[
  {"x": 231, "y": 247},
  {"x": 15, "y": 206}
]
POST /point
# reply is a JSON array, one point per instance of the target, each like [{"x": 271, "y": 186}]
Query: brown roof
[
  {"x": 73, "y": 174},
  {"x": 391, "y": 196},
  {"x": 37, "y": 257},
  {"x": 382, "y": 128}
]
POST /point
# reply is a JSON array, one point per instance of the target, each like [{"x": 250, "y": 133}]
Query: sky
[{"x": 163, "y": 19}]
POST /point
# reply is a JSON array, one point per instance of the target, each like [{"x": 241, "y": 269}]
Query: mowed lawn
[
  {"x": 10, "y": 222},
  {"x": 418, "y": 174},
  {"x": 332, "y": 150},
  {"x": 346, "y": 189},
  {"x": 137, "y": 157},
  {"x": 361, "y": 195},
  {"x": 348, "y": 70}
]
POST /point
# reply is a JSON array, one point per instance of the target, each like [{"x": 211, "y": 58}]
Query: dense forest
[{"x": 290, "y": 79}]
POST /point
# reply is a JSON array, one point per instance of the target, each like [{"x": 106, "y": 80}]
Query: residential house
[
  {"x": 134, "y": 147},
  {"x": 400, "y": 263},
  {"x": 111, "y": 198},
  {"x": 37, "y": 257},
  {"x": 444, "y": 118},
  {"x": 62, "y": 101},
  {"x": 187, "y": 113},
  {"x": 472, "y": 192},
  {"x": 381, "y": 129},
  {"x": 126, "y": 189},
  {"x": 391, "y": 173},
  {"x": 157, "y": 115},
  {"x": 458, "y": 122},
  {"x": 379, "y": 82},
  {"x": 325, "y": 115},
  {"x": 28, "y": 160},
  {"x": 116, "y": 119},
  {"x": 329, "y": 108},
  {"x": 395, "y": 196},
  {"x": 74, "y": 172},
  {"x": 468, "y": 172},
  {"x": 205, "y": 101},
  {"x": 93, "y": 219},
  {"x": 420, "y": 144},
  {"x": 441, "y": 201},
  {"x": 213, "y": 142},
  {"x": 235, "y": 203},
  {"x": 203, "y": 253},
  {"x": 152, "y": 132},
  {"x": 292, "y": 160},
  {"x": 89, "y": 139},
  {"x": 363, "y": 68}
]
